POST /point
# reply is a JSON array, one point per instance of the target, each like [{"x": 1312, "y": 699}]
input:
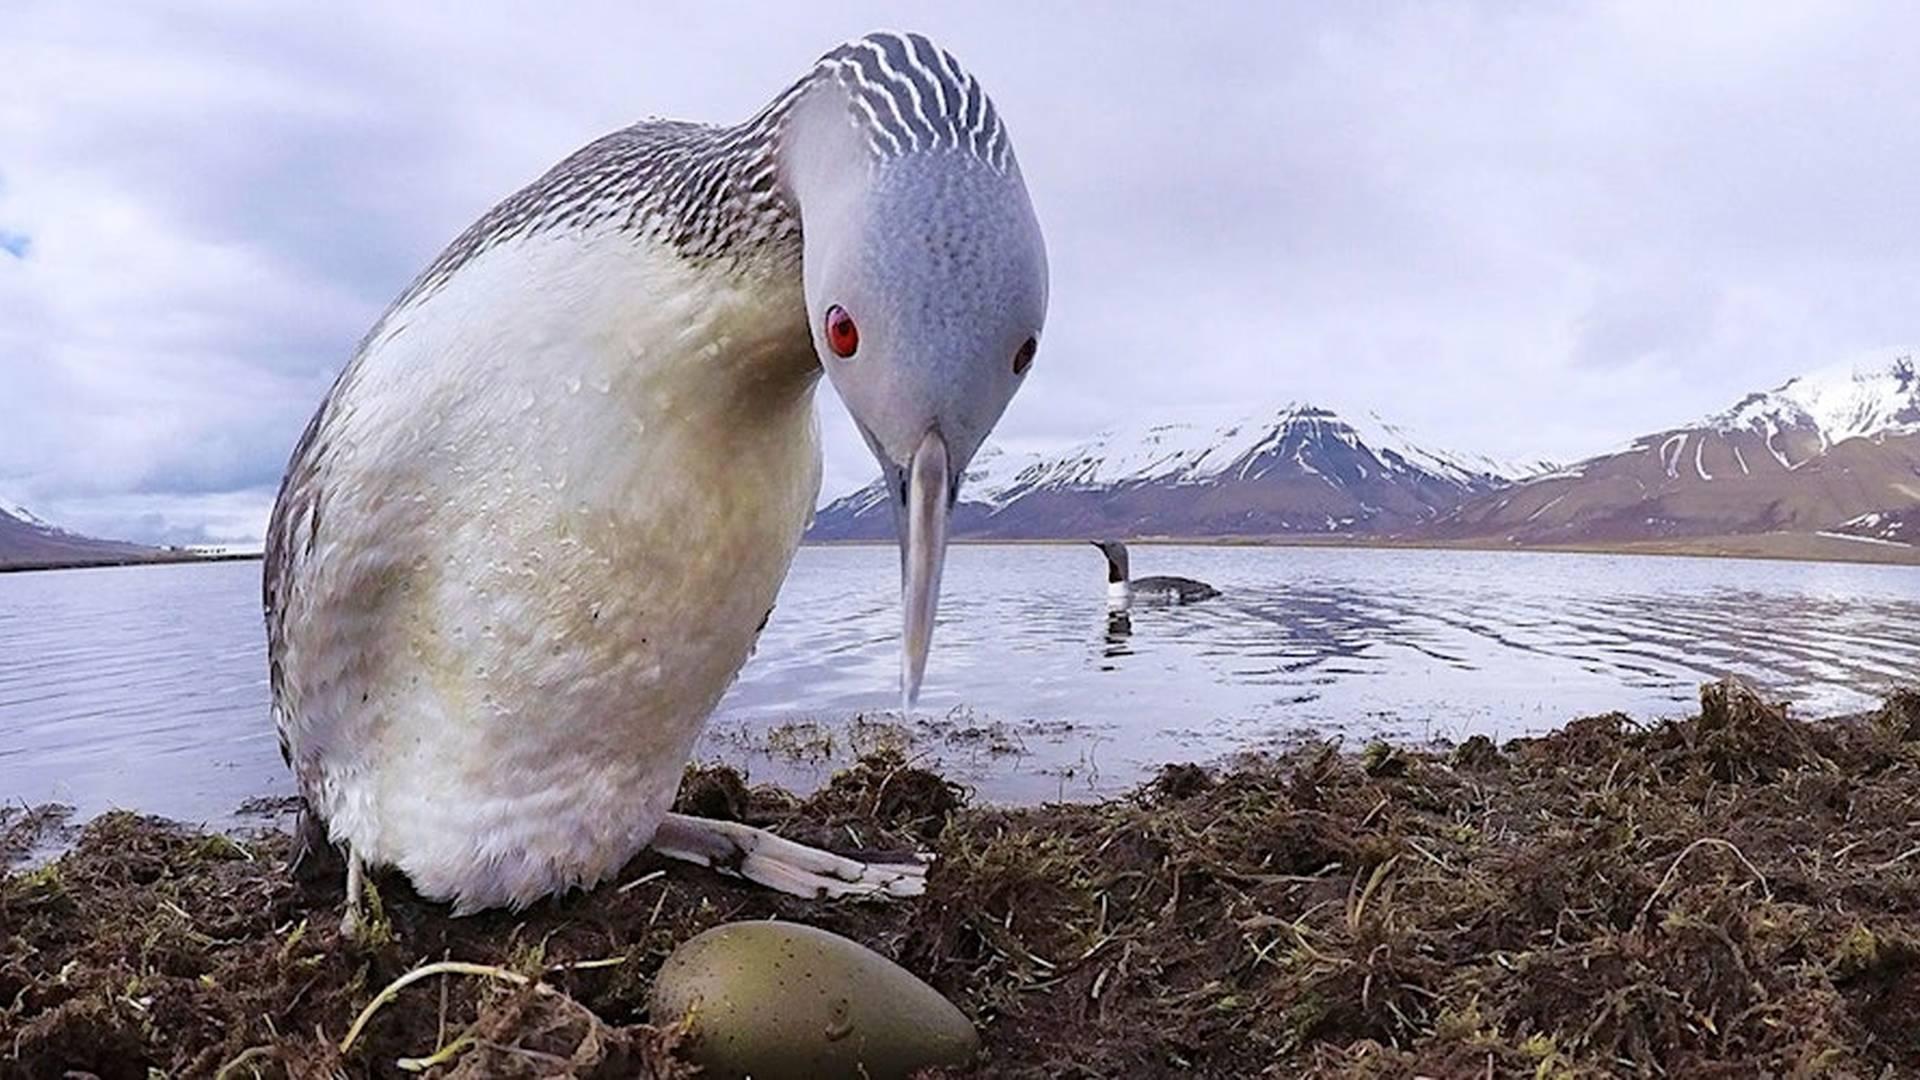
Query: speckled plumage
[
  {"x": 531, "y": 534},
  {"x": 707, "y": 191},
  {"x": 711, "y": 192}
]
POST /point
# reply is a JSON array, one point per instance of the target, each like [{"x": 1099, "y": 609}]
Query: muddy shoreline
[{"x": 1733, "y": 894}]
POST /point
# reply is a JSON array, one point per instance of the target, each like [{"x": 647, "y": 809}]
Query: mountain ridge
[
  {"x": 1832, "y": 452},
  {"x": 1292, "y": 468},
  {"x": 1835, "y": 451},
  {"x": 27, "y": 541}
]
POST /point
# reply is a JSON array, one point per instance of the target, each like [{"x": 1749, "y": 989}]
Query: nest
[{"x": 1732, "y": 894}]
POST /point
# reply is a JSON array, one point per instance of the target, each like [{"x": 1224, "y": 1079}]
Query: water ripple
[
  {"x": 146, "y": 687},
  {"x": 1407, "y": 643}
]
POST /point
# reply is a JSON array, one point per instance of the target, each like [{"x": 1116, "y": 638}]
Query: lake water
[{"x": 146, "y": 688}]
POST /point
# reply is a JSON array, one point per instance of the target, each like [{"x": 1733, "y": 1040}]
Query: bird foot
[
  {"x": 364, "y": 922},
  {"x": 353, "y": 921},
  {"x": 761, "y": 857}
]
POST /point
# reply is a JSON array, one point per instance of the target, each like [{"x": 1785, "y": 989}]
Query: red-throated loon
[
  {"x": 1123, "y": 589},
  {"x": 531, "y": 534}
]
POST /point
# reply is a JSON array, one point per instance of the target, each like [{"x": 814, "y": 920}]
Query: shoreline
[
  {"x": 1764, "y": 547},
  {"x": 1728, "y": 893},
  {"x": 162, "y": 559}
]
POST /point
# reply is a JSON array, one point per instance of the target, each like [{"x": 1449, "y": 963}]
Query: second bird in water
[{"x": 1123, "y": 589}]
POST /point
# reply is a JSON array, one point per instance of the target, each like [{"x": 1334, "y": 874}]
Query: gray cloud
[{"x": 1526, "y": 230}]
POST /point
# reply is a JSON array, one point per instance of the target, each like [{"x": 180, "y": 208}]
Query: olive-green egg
[{"x": 771, "y": 1000}]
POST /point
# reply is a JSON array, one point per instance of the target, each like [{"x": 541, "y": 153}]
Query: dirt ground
[{"x": 1731, "y": 895}]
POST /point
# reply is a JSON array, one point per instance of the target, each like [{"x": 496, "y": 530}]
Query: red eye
[
  {"x": 842, "y": 336},
  {"x": 1023, "y": 359}
]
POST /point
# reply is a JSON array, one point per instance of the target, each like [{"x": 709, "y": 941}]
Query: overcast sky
[{"x": 1522, "y": 229}]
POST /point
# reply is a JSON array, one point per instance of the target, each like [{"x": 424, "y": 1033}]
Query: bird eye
[
  {"x": 842, "y": 336},
  {"x": 1023, "y": 359}
]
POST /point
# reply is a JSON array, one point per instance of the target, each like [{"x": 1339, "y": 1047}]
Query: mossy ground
[{"x": 1736, "y": 894}]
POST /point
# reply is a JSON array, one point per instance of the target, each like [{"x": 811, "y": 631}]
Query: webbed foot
[{"x": 779, "y": 863}]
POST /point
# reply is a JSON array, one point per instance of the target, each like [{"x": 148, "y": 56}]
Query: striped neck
[{"x": 718, "y": 193}]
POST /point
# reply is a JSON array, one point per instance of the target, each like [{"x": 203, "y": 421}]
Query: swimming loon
[{"x": 1158, "y": 590}]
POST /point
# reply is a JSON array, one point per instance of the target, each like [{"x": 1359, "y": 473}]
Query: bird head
[
  {"x": 1116, "y": 553},
  {"x": 925, "y": 280}
]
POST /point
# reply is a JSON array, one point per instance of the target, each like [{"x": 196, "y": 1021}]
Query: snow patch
[
  {"x": 1888, "y": 526},
  {"x": 1869, "y": 396},
  {"x": 1778, "y": 454},
  {"x": 1550, "y": 504},
  {"x": 22, "y": 514},
  {"x": 1677, "y": 444},
  {"x": 1862, "y": 539}
]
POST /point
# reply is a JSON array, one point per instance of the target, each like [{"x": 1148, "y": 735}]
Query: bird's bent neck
[{"x": 715, "y": 213}]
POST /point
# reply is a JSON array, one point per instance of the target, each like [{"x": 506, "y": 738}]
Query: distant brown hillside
[
  {"x": 1694, "y": 482},
  {"x": 27, "y": 542},
  {"x": 1837, "y": 452}
]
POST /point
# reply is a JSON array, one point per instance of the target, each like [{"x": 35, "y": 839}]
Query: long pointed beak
[{"x": 923, "y": 550}]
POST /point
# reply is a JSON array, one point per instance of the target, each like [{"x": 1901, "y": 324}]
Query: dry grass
[{"x": 1731, "y": 895}]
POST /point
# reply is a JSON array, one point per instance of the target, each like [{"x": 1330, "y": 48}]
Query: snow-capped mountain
[
  {"x": 25, "y": 540},
  {"x": 1867, "y": 398},
  {"x": 19, "y": 513},
  {"x": 1820, "y": 453},
  {"x": 1294, "y": 469}
]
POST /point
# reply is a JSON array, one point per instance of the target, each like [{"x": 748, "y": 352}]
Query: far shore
[
  {"x": 1780, "y": 547},
  {"x": 159, "y": 558}
]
